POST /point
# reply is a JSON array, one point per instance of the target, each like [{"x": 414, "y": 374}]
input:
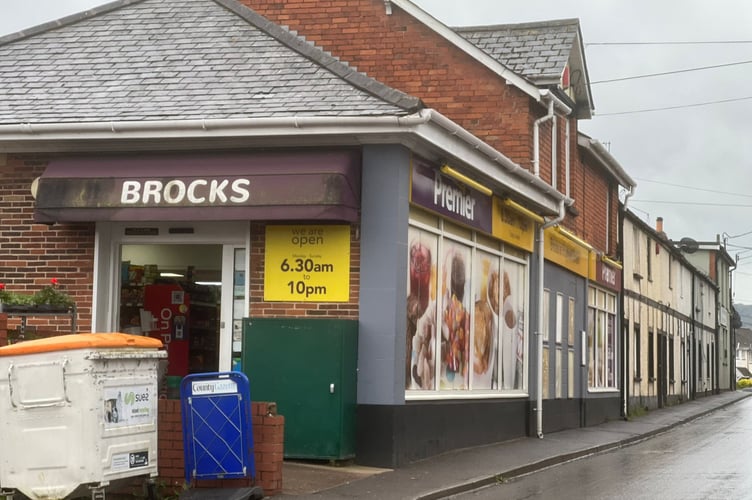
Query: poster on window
[
  {"x": 455, "y": 316},
  {"x": 421, "y": 350},
  {"x": 512, "y": 333},
  {"x": 486, "y": 303}
]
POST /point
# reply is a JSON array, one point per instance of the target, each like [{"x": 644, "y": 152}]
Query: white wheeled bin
[{"x": 78, "y": 413}]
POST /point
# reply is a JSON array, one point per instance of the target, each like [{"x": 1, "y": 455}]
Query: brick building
[
  {"x": 523, "y": 89},
  {"x": 195, "y": 172}
]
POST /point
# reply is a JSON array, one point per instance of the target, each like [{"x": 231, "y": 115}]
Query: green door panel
[{"x": 309, "y": 368}]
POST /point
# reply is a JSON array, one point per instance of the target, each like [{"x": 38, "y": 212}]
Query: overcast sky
[{"x": 691, "y": 163}]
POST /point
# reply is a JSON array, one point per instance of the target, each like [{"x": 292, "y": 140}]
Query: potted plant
[{"x": 48, "y": 299}]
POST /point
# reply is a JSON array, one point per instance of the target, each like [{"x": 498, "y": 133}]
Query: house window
[
  {"x": 637, "y": 248},
  {"x": 601, "y": 339},
  {"x": 651, "y": 356},
  {"x": 671, "y": 272},
  {"x": 671, "y": 360},
  {"x": 649, "y": 256},
  {"x": 637, "y": 353}
]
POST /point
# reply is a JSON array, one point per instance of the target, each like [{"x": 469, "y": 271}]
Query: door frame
[{"x": 110, "y": 236}]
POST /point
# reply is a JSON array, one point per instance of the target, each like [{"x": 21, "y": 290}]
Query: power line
[
  {"x": 691, "y": 203},
  {"x": 693, "y": 188},
  {"x": 684, "y": 42},
  {"x": 683, "y": 106},
  {"x": 674, "y": 72}
]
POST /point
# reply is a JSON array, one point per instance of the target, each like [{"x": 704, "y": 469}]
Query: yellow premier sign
[
  {"x": 512, "y": 226},
  {"x": 566, "y": 253},
  {"x": 307, "y": 264}
]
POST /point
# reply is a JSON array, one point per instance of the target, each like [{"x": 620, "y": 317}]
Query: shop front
[
  {"x": 173, "y": 233},
  {"x": 466, "y": 330}
]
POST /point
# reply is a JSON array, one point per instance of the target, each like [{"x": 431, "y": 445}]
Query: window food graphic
[
  {"x": 128, "y": 405},
  {"x": 420, "y": 359},
  {"x": 512, "y": 326},
  {"x": 455, "y": 317},
  {"x": 485, "y": 322}
]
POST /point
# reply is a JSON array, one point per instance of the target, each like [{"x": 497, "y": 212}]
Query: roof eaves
[
  {"x": 604, "y": 157},
  {"x": 317, "y": 55},
  {"x": 64, "y": 21},
  {"x": 583, "y": 61},
  {"x": 469, "y": 48}
]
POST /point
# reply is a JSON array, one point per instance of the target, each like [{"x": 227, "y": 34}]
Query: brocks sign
[
  {"x": 201, "y": 186},
  {"x": 176, "y": 192}
]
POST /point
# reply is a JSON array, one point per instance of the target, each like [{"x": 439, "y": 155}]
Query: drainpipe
[
  {"x": 567, "y": 180},
  {"x": 539, "y": 332},
  {"x": 536, "y": 136}
]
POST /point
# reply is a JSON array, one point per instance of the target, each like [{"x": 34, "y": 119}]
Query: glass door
[{"x": 184, "y": 285}]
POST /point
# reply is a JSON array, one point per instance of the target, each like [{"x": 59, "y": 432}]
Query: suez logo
[
  {"x": 176, "y": 191},
  {"x": 135, "y": 397}
]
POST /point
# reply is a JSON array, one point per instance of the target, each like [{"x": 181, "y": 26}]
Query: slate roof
[
  {"x": 166, "y": 60},
  {"x": 538, "y": 51}
]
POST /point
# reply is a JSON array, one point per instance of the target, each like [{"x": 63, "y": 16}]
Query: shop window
[
  {"x": 466, "y": 313},
  {"x": 601, "y": 339}
]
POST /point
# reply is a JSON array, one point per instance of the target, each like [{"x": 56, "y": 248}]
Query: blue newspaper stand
[{"x": 217, "y": 433}]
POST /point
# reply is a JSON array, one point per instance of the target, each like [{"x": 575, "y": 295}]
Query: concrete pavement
[{"x": 468, "y": 469}]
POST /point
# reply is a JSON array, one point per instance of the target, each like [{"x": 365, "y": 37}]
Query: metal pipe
[
  {"x": 536, "y": 137},
  {"x": 539, "y": 333}
]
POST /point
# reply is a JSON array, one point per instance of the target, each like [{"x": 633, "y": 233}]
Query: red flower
[
  {"x": 53, "y": 281},
  {"x": 2, "y": 286}
]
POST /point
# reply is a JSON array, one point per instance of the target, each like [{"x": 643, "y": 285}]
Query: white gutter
[
  {"x": 567, "y": 173},
  {"x": 425, "y": 126},
  {"x": 553, "y": 104},
  {"x": 539, "y": 334}
]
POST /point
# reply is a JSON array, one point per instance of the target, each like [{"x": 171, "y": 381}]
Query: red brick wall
[
  {"x": 591, "y": 191},
  {"x": 260, "y": 308},
  {"x": 405, "y": 54},
  {"x": 32, "y": 254},
  {"x": 402, "y": 53}
]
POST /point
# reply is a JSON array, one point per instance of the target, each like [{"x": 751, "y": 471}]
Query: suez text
[{"x": 198, "y": 191}]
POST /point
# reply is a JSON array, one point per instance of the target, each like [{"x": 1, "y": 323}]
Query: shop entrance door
[{"x": 187, "y": 289}]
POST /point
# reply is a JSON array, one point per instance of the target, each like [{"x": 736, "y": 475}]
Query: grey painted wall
[{"x": 383, "y": 274}]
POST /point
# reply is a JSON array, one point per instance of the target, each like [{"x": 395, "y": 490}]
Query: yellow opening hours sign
[{"x": 307, "y": 264}]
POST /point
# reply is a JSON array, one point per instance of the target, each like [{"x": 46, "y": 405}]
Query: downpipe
[{"x": 539, "y": 332}]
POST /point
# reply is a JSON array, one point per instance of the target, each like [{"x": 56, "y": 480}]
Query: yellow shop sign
[
  {"x": 512, "y": 226},
  {"x": 566, "y": 252},
  {"x": 305, "y": 263}
]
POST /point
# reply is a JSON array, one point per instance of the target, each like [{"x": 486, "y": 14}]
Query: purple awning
[{"x": 298, "y": 185}]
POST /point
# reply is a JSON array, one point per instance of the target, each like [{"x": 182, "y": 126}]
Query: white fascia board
[
  {"x": 426, "y": 131},
  {"x": 470, "y": 49},
  {"x": 607, "y": 160}
]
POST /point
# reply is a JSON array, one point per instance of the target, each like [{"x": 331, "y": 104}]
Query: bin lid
[{"x": 80, "y": 341}]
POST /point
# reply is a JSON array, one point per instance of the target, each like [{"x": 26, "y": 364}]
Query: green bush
[{"x": 744, "y": 383}]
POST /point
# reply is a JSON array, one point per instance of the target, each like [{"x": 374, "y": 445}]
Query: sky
[{"x": 691, "y": 162}]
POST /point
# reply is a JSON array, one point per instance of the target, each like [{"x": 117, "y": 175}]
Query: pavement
[{"x": 468, "y": 469}]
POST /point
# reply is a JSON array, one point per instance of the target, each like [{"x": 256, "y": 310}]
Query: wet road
[{"x": 709, "y": 458}]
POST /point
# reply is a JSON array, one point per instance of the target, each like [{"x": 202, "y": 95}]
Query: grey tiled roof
[
  {"x": 168, "y": 60},
  {"x": 538, "y": 51}
]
